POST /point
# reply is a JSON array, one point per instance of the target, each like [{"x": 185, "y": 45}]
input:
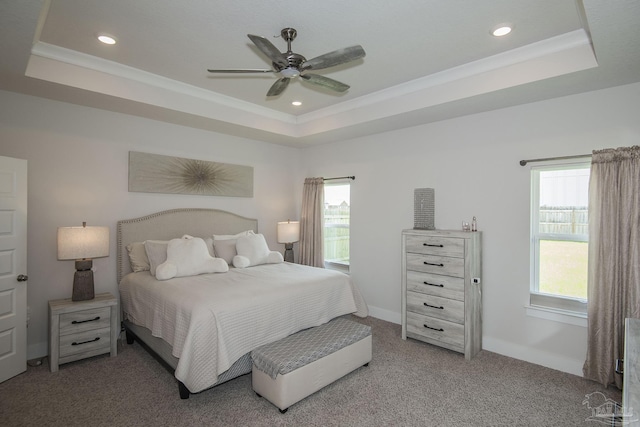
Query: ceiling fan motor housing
[{"x": 295, "y": 61}]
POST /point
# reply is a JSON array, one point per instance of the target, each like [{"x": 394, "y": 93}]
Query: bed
[{"x": 204, "y": 326}]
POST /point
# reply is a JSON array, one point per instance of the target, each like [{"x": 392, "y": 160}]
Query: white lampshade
[
  {"x": 288, "y": 231},
  {"x": 83, "y": 242}
]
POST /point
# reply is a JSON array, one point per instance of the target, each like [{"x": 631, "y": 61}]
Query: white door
[{"x": 13, "y": 267}]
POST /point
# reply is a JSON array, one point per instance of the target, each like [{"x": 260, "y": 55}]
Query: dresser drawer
[
  {"x": 436, "y": 329},
  {"x": 441, "y": 308},
  {"x": 435, "y": 284},
  {"x": 446, "y": 266},
  {"x": 85, "y": 341},
  {"x": 85, "y": 320},
  {"x": 435, "y": 245}
]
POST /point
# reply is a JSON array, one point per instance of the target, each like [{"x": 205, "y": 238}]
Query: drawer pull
[
  {"x": 76, "y": 322},
  {"x": 431, "y": 263},
  {"x": 433, "y": 306},
  {"x": 86, "y": 342},
  {"x": 434, "y": 284},
  {"x": 433, "y": 246},
  {"x": 435, "y": 329}
]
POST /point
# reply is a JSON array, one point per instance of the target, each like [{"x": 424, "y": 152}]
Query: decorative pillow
[
  {"x": 274, "y": 257},
  {"x": 138, "y": 257},
  {"x": 156, "y": 253},
  {"x": 224, "y": 245},
  {"x": 189, "y": 256},
  {"x": 209, "y": 242},
  {"x": 253, "y": 250}
]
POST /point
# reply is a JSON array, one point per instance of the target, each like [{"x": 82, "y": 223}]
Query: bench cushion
[{"x": 304, "y": 347}]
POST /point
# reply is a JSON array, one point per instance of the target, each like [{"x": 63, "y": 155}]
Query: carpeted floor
[{"x": 408, "y": 383}]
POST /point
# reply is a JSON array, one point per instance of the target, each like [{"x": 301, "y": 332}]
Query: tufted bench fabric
[{"x": 287, "y": 371}]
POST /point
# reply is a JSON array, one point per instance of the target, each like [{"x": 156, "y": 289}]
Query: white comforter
[{"x": 211, "y": 320}]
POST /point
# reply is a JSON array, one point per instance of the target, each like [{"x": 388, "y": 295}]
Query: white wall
[
  {"x": 472, "y": 162},
  {"x": 78, "y": 171}
]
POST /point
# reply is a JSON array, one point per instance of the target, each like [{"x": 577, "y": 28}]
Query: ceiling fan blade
[
  {"x": 278, "y": 87},
  {"x": 269, "y": 49},
  {"x": 323, "y": 81},
  {"x": 334, "y": 58},
  {"x": 242, "y": 71}
]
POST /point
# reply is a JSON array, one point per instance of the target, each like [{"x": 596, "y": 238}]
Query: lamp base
[
  {"x": 83, "y": 281},
  {"x": 288, "y": 252}
]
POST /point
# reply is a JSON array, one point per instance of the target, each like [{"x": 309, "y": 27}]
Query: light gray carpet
[{"x": 408, "y": 383}]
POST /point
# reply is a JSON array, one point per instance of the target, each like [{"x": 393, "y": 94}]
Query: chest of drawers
[
  {"x": 441, "y": 289},
  {"x": 81, "y": 329}
]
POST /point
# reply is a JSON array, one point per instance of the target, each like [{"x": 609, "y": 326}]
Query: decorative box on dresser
[
  {"x": 81, "y": 329},
  {"x": 441, "y": 289}
]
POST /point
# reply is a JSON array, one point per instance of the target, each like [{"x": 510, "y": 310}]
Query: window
[
  {"x": 337, "y": 198},
  {"x": 560, "y": 236}
]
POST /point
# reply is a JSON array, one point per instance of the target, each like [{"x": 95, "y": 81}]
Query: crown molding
[{"x": 553, "y": 57}]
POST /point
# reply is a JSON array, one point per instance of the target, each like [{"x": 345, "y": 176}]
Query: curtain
[
  {"x": 311, "y": 223},
  {"x": 614, "y": 258}
]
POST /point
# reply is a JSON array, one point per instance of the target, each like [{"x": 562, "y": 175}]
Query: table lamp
[
  {"x": 82, "y": 244},
  {"x": 288, "y": 233}
]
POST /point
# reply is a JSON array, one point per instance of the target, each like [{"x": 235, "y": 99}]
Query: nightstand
[{"x": 81, "y": 329}]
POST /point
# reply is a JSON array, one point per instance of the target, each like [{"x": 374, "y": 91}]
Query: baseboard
[
  {"x": 531, "y": 355},
  {"x": 38, "y": 350},
  {"x": 386, "y": 315}
]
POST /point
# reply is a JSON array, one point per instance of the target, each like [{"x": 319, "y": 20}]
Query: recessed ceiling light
[
  {"x": 106, "y": 39},
  {"x": 502, "y": 30},
  {"x": 296, "y": 103}
]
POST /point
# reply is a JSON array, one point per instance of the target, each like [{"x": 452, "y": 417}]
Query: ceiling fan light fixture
[
  {"x": 501, "y": 30},
  {"x": 290, "y": 72},
  {"x": 106, "y": 39}
]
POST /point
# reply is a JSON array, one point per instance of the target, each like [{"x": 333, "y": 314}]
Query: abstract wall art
[{"x": 155, "y": 173}]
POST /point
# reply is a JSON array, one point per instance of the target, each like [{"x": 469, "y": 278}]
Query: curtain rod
[
  {"x": 340, "y": 177},
  {"x": 524, "y": 162}
]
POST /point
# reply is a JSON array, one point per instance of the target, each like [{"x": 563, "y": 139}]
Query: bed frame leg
[
  {"x": 130, "y": 337},
  {"x": 184, "y": 391}
]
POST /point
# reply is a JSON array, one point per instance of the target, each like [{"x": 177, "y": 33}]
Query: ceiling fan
[{"x": 290, "y": 65}]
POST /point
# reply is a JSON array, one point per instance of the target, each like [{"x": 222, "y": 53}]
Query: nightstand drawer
[
  {"x": 447, "y": 266},
  {"x": 441, "y": 308},
  {"x": 85, "y": 320},
  {"x": 86, "y": 341},
  {"x": 433, "y": 245}
]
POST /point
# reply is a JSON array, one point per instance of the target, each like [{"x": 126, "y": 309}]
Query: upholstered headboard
[{"x": 175, "y": 223}]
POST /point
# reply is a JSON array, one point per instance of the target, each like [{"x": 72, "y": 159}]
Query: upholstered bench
[{"x": 287, "y": 371}]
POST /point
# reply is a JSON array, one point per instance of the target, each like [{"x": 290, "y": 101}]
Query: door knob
[{"x": 22, "y": 278}]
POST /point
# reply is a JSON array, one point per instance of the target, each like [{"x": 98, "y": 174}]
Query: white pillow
[
  {"x": 232, "y": 236},
  {"x": 189, "y": 256},
  {"x": 156, "y": 253},
  {"x": 253, "y": 250},
  {"x": 138, "y": 257},
  {"x": 224, "y": 245},
  {"x": 209, "y": 242}
]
